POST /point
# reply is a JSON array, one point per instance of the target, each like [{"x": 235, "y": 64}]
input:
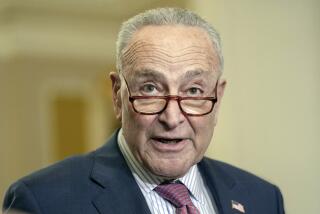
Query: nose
[{"x": 172, "y": 116}]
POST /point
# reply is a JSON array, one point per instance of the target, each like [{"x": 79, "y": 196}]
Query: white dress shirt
[{"x": 147, "y": 182}]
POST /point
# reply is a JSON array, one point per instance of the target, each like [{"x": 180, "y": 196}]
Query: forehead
[{"x": 170, "y": 48}]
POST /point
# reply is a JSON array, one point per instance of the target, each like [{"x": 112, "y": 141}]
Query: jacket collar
[
  {"x": 223, "y": 187},
  {"x": 120, "y": 192}
]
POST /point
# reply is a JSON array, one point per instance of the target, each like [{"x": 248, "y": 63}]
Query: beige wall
[
  {"x": 269, "y": 120},
  {"x": 270, "y": 117},
  {"x": 53, "y": 50}
]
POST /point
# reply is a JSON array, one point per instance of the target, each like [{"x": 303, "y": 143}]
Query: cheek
[
  {"x": 203, "y": 128},
  {"x": 136, "y": 126}
]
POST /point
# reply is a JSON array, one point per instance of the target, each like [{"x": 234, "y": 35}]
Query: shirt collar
[{"x": 148, "y": 181}]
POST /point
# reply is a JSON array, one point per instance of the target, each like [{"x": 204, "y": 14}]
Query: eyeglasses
[{"x": 191, "y": 106}]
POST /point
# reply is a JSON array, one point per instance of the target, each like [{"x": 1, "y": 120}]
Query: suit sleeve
[
  {"x": 279, "y": 198},
  {"x": 19, "y": 198}
]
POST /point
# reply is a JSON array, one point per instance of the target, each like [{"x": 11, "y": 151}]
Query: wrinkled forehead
[{"x": 172, "y": 49}]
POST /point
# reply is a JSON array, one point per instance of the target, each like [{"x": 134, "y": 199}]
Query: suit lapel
[
  {"x": 224, "y": 189},
  {"x": 120, "y": 192}
]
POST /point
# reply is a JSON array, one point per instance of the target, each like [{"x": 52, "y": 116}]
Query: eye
[
  {"x": 194, "y": 91},
  {"x": 149, "y": 89}
]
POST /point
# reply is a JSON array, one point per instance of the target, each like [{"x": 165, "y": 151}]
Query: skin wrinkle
[
  {"x": 153, "y": 61},
  {"x": 139, "y": 44},
  {"x": 129, "y": 60},
  {"x": 165, "y": 61},
  {"x": 163, "y": 51},
  {"x": 131, "y": 55},
  {"x": 190, "y": 50}
]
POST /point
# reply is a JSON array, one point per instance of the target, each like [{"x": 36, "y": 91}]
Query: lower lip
[{"x": 169, "y": 147}]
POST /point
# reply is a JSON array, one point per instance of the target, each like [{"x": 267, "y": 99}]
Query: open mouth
[
  {"x": 168, "y": 141},
  {"x": 169, "y": 144}
]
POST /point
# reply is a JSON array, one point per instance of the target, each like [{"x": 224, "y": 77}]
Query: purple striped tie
[{"x": 178, "y": 195}]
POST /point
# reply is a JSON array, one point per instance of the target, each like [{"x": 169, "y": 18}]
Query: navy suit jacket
[{"x": 101, "y": 182}]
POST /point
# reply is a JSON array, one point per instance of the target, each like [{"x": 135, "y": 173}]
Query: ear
[
  {"x": 221, "y": 87},
  {"x": 116, "y": 94},
  {"x": 220, "y": 92}
]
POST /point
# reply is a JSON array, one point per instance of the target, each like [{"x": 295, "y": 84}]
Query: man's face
[{"x": 167, "y": 60}]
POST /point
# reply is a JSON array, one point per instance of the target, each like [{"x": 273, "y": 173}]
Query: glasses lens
[
  {"x": 149, "y": 106},
  {"x": 191, "y": 106}
]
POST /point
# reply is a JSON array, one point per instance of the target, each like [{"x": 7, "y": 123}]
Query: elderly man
[{"x": 167, "y": 94}]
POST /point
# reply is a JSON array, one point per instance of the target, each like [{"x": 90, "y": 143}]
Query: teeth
[{"x": 169, "y": 141}]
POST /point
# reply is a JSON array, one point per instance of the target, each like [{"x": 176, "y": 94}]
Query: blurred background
[{"x": 55, "y": 95}]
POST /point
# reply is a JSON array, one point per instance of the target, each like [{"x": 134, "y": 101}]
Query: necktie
[{"x": 178, "y": 195}]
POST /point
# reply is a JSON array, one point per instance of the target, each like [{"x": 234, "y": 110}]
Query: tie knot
[{"x": 176, "y": 193}]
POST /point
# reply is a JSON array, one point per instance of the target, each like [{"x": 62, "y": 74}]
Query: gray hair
[{"x": 165, "y": 16}]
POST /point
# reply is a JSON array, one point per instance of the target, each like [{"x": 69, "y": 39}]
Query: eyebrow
[
  {"x": 145, "y": 73},
  {"x": 193, "y": 73}
]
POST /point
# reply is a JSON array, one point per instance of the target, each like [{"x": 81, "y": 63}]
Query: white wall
[{"x": 269, "y": 119}]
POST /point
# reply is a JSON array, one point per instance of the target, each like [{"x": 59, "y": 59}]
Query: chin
[
  {"x": 171, "y": 170},
  {"x": 171, "y": 174}
]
